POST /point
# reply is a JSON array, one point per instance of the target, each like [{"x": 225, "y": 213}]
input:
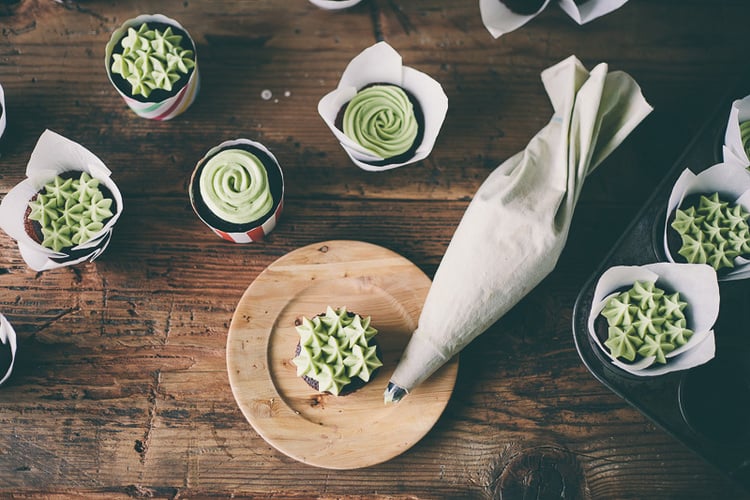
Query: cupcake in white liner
[
  {"x": 391, "y": 102},
  {"x": 7, "y": 349},
  {"x": 721, "y": 238},
  {"x": 237, "y": 190},
  {"x": 57, "y": 159},
  {"x": 335, "y": 4},
  {"x": 736, "y": 147},
  {"x": 693, "y": 286},
  {"x": 503, "y": 16},
  {"x": 3, "y": 120},
  {"x": 152, "y": 62}
]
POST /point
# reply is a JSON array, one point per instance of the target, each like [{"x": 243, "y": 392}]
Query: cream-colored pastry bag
[{"x": 516, "y": 226}]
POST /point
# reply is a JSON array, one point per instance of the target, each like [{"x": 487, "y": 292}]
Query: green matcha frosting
[
  {"x": 70, "y": 211},
  {"x": 335, "y": 348},
  {"x": 713, "y": 232},
  {"x": 381, "y": 119},
  {"x": 645, "y": 321},
  {"x": 152, "y": 59},
  {"x": 234, "y": 186}
]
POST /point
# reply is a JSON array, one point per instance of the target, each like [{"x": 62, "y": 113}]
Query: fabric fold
[{"x": 516, "y": 226}]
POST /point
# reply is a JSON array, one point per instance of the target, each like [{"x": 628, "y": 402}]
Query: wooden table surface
[{"x": 121, "y": 388}]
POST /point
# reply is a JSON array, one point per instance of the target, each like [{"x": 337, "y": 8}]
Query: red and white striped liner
[
  {"x": 257, "y": 233},
  {"x": 170, "y": 107}
]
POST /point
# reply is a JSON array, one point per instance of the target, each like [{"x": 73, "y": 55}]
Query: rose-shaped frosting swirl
[
  {"x": 381, "y": 118},
  {"x": 234, "y": 186}
]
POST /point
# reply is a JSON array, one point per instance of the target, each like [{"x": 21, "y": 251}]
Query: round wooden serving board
[{"x": 345, "y": 432}]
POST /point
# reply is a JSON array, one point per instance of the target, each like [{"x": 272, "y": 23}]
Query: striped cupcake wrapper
[
  {"x": 256, "y": 234},
  {"x": 248, "y": 234},
  {"x": 170, "y": 107}
]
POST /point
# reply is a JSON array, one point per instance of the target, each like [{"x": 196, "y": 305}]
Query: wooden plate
[{"x": 345, "y": 432}]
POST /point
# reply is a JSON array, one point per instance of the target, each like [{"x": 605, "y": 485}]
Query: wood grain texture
[{"x": 121, "y": 388}]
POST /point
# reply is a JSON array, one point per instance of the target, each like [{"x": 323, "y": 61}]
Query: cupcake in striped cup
[
  {"x": 152, "y": 62},
  {"x": 237, "y": 190}
]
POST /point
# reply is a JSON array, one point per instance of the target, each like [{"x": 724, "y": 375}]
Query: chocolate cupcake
[
  {"x": 237, "y": 190},
  {"x": 151, "y": 61},
  {"x": 708, "y": 229},
  {"x": 70, "y": 210},
  {"x": 643, "y": 320},
  {"x": 523, "y": 7},
  {"x": 337, "y": 352},
  {"x": 384, "y": 119},
  {"x": 64, "y": 211},
  {"x": 653, "y": 319},
  {"x": 707, "y": 220},
  {"x": 384, "y": 114}
]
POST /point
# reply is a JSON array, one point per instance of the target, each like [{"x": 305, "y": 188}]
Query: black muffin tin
[{"x": 706, "y": 407}]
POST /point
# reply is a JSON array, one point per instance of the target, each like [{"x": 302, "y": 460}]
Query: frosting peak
[
  {"x": 152, "y": 59},
  {"x": 645, "y": 321},
  {"x": 335, "y": 348},
  {"x": 70, "y": 211}
]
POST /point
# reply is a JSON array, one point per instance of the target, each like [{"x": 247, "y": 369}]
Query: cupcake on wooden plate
[
  {"x": 152, "y": 62},
  {"x": 64, "y": 211},
  {"x": 237, "y": 190},
  {"x": 654, "y": 319},
  {"x": 384, "y": 114},
  {"x": 337, "y": 352},
  {"x": 707, "y": 220}
]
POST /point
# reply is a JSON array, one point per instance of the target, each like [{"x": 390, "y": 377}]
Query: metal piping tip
[{"x": 394, "y": 393}]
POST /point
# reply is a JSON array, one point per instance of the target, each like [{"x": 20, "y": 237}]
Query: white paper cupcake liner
[
  {"x": 53, "y": 155},
  {"x": 170, "y": 107},
  {"x": 380, "y": 63},
  {"x": 7, "y": 337},
  {"x": 697, "y": 285},
  {"x": 499, "y": 19},
  {"x": 254, "y": 231},
  {"x": 334, "y": 4},
  {"x": 733, "y": 149},
  {"x": 732, "y": 182},
  {"x": 3, "y": 112}
]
